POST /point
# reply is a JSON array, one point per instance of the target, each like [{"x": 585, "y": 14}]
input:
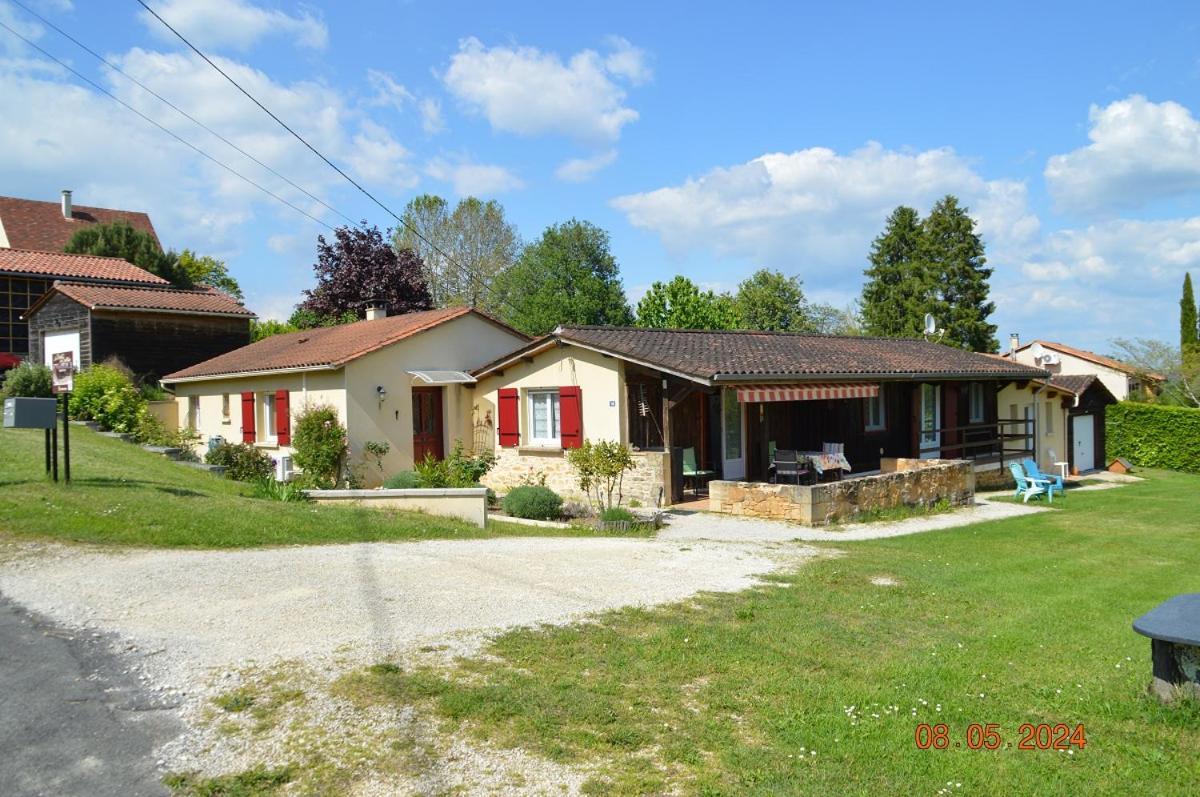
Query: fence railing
[{"x": 1003, "y": 440}]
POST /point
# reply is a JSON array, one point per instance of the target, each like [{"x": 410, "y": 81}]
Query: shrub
[
  {"x": 150, "y": 431},
  {"x": 272, "y": 490},
  {"x": 1153, "y": 435},
  {"x": 535, "y": 503},
  {"x": 460, "y": 469},
  {"x": 241, "y": 461},
  {"x": 319, "y": 444},
  {"x": 617, "y": 514},
  {"x": 404, "y": 480},
  {"x": 27, "y": 380},
  {"x": 376, "y": 450},
  {"x": 600, "y": 468},
  {"x": 104, "y": 393}
]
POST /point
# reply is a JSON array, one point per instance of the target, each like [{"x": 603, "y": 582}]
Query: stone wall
[
  {"x": 516, "y": 466},
  {"x": 908, "y": 483}
]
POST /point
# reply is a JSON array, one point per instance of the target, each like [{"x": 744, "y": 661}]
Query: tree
[
  {"x": 772, "y": 302},
  {"x": 568, "y": 276},
  {"x": 1154, "y": 357},
  {"x": 358, "y": 268},
  {"x": 1188, "y": 330},
  {"x": 209, "y": 271},
  {"x": 953, "y": 254},
  {"x": 121, "y": 240},
  {"x": 269, "y": 327},
  {"x": 898, "y": 289},
  {"x": 480, "y": 243},
  {"x": 829, "y": 320},
  {"x": 680, "y": 304}
]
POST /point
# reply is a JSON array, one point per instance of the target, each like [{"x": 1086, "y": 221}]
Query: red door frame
[{"x": 427, "y": 420}]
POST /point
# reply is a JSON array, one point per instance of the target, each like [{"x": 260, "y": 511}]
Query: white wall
[
  {"x": 1117, "y": 382},
  {"x": 1051, "y": 421}
]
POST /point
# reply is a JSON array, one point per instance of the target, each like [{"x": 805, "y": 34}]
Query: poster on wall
[{"x": 62, "y": 370}]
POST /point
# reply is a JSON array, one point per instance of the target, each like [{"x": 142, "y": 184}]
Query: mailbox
[{"x": 30, "y": 413}]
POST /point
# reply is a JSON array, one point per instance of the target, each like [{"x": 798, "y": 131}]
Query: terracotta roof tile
[
  {"x": 1075, "y": 383},
  {"x": 58, "y": 264},
  {"x": 31, "y": 224},
  {"x": 208, "y": 301},
  {"x": 321, "y": 348},
  {"x": 748, "y": 356}
]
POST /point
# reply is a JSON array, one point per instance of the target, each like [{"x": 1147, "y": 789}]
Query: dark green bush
[
  {"x": 1153, "y": 435},
  {"x": 27, "y": 380},
  {"x": 319, "y": 444},
  {"x": 535, "y": 503},
  {"x": 404, "y": 480},
  {"x": 241, "y": 461}
]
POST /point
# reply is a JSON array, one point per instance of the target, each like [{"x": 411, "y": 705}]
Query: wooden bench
[{"x": 1174, "y": 631}]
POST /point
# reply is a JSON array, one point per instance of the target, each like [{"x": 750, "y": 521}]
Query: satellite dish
[
  {"x": 930, "y": 324},
  {"x": 1037, "y": 351}
]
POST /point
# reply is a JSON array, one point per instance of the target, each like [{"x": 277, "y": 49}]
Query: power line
[{"x": 462, "y": 269}]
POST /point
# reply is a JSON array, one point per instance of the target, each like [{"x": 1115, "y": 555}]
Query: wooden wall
[{"x": 156, "y": 344}]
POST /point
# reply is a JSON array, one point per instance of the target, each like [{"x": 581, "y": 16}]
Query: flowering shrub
[
  {"x": 319, "y": 445},
  {"x": 600, "y": 468}
]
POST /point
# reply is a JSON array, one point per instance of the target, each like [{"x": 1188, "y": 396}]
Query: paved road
[{"x": 72, "y": 722}]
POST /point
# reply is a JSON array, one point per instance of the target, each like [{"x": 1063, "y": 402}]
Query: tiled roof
[
  {"x": 89, "y": 267},
  {"x": 30, "y": 224},
  {"x": 1092, "y": 357},
  {"x": 748, "y": 356},
  {"x": 208, "y": 301},
  {"x": 325, "y": 347},
  {"x": 1075, "y": 383}
]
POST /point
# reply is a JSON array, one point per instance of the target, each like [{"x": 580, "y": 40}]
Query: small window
[
  {"x": 267, "y": 401},
  {"x": 876, "y": 415},
  {"x": 224, "y": 408},
  {"x": 975, "y": 394},
  {"x": 1049, "y": 418},
  {"x": 193, "y": 416},
  {"x": 543, "y": 418}
]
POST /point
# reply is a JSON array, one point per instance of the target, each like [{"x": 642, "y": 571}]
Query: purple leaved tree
[{"x": 360, "y": 267}]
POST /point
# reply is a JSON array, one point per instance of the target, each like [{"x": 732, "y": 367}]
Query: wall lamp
[{"x": 380, "y": 392}]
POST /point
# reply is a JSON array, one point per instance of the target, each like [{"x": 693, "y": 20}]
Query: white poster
[{"x": 60, "y": 352}]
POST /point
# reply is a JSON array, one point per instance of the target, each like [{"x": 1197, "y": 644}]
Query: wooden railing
[{"x": 988, "y": 442}]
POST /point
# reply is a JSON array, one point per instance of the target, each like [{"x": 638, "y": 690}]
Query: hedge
[{"x": 1154, "y": 436}]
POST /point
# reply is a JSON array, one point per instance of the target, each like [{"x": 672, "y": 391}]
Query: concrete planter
[{"x": 465, "y": 503}]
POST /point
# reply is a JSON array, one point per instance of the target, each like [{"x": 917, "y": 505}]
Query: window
[
  {"x": 1049, "y": 418},
  {"x": 930, "y": 434},
  {"x": 543, "y": 418},
  {"x": 731, "y": 408},
  {"x": 975, "y": 394},
  {"x": 876, "y": 416},
  {"x": 193, "y": 417},
  {"x": 267, "y": 401},
  {"x": 224, "y": 408}
]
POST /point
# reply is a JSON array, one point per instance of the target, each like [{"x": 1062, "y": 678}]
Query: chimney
[
  {"x": 1014, "y": 343},
  {"x": 66, "y": 203},
  {"x": 376, "y": 310}
]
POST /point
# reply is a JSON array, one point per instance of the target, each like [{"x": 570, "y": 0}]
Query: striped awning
[{"x": 806, "y": 392}]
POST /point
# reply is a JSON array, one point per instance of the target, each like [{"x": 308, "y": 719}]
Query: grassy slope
[
  {"x": 1023, "y": 620},
  {"x": 124, "y": 495}
]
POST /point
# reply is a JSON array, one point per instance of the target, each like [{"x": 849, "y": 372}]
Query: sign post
[{"x": 62, "y": 372}]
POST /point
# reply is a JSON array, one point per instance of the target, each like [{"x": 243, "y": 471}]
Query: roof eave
[
  {"x": 898, "y": 376},
  {"x": 175, "y": 380},
  {"x": 117, "y": 309}
]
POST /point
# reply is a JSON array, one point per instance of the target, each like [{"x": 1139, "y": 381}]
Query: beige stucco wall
[
  {"x": 465, "y": 504},
  {"x": 1117, "y": 382},
  {"x": 1051, "y": 436}
]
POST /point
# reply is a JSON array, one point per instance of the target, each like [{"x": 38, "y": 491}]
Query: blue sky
[{"x": 708, "y": 139}]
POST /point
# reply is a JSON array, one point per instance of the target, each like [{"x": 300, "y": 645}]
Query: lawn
[
  {"x": 120, "y": 494},
  {"x": 816, "y": 683}
]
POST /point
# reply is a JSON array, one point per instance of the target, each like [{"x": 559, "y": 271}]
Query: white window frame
[
  {"x": 871, "y": 423},
  {"x": 1049, "y": 418},
  {"x": 553, "y": 415},
  {"x": 267, "y": 415},
  {"x": 193, "y": 419},
  {"x": 226, "y": 408},
  {"x": 975, "y": 395}
]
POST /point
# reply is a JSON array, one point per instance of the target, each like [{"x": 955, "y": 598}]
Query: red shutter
[
  {"x": 570, "y": 416},
  {"x": 248, "y": 434},
  {"x": 509, "y": 413},
  {"x": 283, "y": 418}
]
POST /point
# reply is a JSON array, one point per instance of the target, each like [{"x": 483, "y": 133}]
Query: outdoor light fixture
[{"x": 381, "y": 392}]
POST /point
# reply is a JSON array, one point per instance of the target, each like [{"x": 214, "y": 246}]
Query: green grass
[
  {"x": 123, "y": 495},
  {"x": 259, "y": 782},
  {"x": 1008, "y": 622}
]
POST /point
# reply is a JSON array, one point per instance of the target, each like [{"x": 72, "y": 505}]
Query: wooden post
[
  {"x": 66, "y": 438},
  {"x": 669, "y": 470}
]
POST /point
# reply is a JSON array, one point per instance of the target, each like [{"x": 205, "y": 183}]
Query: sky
[{"x": 708, "y": 139}]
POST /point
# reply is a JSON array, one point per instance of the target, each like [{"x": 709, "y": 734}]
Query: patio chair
[
  {"x": 1053, "y": 483},
  {"x": 833, "y": 448},
  {"x": 1026, "y": 486},
  {"x": 692, "y": 471},
  {"x": 789, "y": 465}
]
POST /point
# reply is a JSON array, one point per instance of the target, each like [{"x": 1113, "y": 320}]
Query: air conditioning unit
[
  {"x": 283, "y": 469},
  {"x": 1050, "y": 359}
]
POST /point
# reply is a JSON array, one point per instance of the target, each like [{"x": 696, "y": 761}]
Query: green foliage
[
  {"x": 319, "y": 444},
  {"x": 242, "y": 461},
  {"x": 27, "y": 380},
  {"x": 376, "y": 450},
  {"x": 104, "y": 393},
  {"x": 534, "y": 503},
  {"x": 257, "y": 782},
  {"x": 681, "y": 304},
  {"x": 209, "y": 271},
  {"x": 772, "y": 302},
  {"x": 460, "y": 469},
  {"x": 304, "y": 318},
  {"x": 150, "y": 431},
  {"x": 600, "y": 468},
  {"x": 121, "y": 240},
  {"x": 1189, "y": 331},
  {"x": 897, "y": 291},
  {"x": 1154, "y": 436},
  {"x": 269, "y": 327},
  {"x": 403, "y": 480},
  {"x": 286, "y": 492},
  {"x": 617, "y": 514},
  {"x": 568, "y": 276}
]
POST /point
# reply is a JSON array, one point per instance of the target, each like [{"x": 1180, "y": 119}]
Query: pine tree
[
  {"x": 1188, "y": 330},
  {"x": 953, "y": 253},
  {"x": 898, "y": 291}
]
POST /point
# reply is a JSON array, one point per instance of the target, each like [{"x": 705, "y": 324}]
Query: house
[
  {"x": 1059, "y": 419},
  {"x": 730, "y": 397},
  {"x": 26, "y": 275},
  {"x": 48, "y": 226},
  {"x": 154, "y": 330},
  {"x": 397, "y": 379},
  {"x": 1122, "y": 379}
]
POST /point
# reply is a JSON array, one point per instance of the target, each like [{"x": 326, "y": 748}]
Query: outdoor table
[
  {"x": 1174, "y": 631},
  {"x": 1062, "y": 468},
  {"x": 821, "y": 461}
]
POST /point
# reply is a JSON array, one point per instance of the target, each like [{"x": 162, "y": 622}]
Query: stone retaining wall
[
  {"x": 516, "y": 466},
  {"x": 900, "y": 483}
]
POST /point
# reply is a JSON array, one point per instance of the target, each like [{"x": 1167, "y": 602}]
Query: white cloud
[
  {"x": 431, "y": 116},
  {"x": 529, "y": 92},
  {"x": 627, "y": 61},
  {"x": 388, "y": 92},
  {"x": 812, "y": 209},
  {"x": 1141, "y": 151},
  {"x": 577, "y": 170},
  {"x": 234, "y": 24},
  {"x": 473, "y": 179}
]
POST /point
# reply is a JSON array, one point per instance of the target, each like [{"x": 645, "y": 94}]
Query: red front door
[{"x": 427, "y": 423}]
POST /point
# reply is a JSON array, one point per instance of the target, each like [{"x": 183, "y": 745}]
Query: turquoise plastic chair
[
  {"x": 692, "y": 471},
  {"x": 1026, "y": 487},
  {"x": 1054, "y": 482}
]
